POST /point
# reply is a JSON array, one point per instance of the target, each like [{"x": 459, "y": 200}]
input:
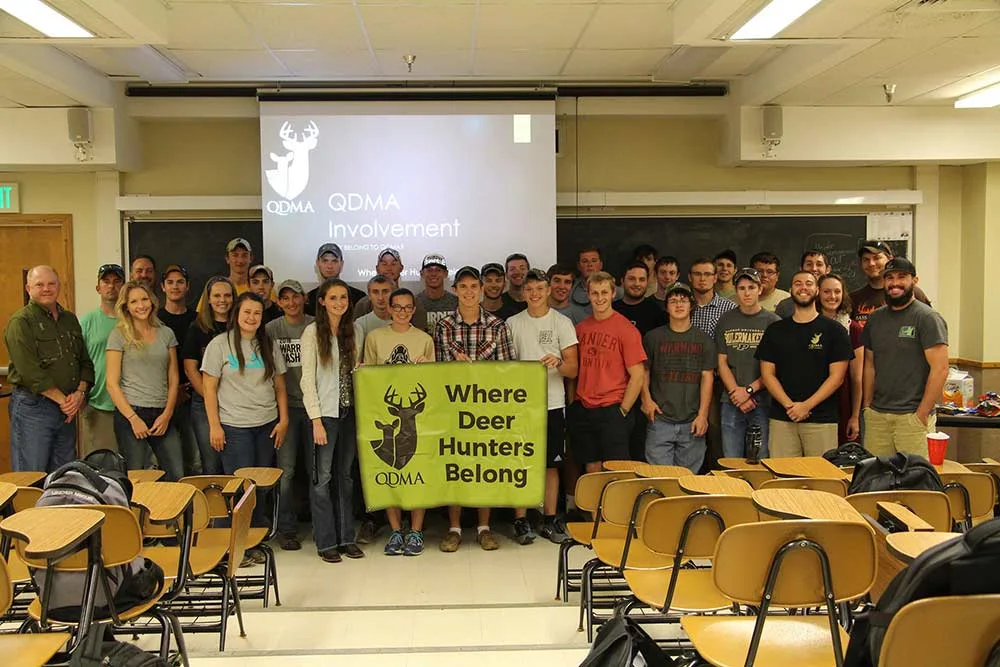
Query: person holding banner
[
  {"x": 543, "y": 334},
  {"x": 401, "y": 343},
  {"x": 329, "y": 356},
  {"x": 471, "y": 334}
]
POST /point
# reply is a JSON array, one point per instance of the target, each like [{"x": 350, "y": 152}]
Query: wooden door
[{"x": 27, "y": 241}]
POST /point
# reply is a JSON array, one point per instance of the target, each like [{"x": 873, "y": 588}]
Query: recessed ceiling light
[
  {"x": 775, "y": 17},
  {"x": 981, "y": 99},
  {"x": 43, "y": 18}
]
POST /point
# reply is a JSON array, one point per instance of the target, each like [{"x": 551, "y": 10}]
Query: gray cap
[
  {"x": 293, "y": 285},
  {"x": 330, "y": 248}
]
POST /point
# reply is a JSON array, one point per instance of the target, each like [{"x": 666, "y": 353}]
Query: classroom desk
[
  {"x": 951, "y": 466},
  {"x": 647, "y": 470},
  {"x": 967, "y": 421},
  {"x": 992, "y": 462},
  {"x": 7, "y": 493},
  {"x": 30, "y": 650},
  {"x": 165, "y": 501},
  {"x": 52, "y": 532},
  {"x": 804, "y": 466},
  {"x": 740, "y": 464},
  {"x": 714, "y": 485},
  {"x": 804, "y": 504},
  {"x": 907, "y": 546},
  {"x": 22, "y": 478},
  {"x": 264, "y": 478},
  {"x": 140, "y": 476},
  {"x": 623, "y": 466}
]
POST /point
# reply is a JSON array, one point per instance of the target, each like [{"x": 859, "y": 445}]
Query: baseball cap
[
  {"x": 537, "y": 275},
  {"x": 174, "y": 268},
  {"x": 726, "y": 254},
  {"x": 875, "y": 247},
  {"x": 105, "y": 269},
  {"x": 493, "y": 267},
  {"x": 900, "y": 264},
  {"x": 236, "y": 243},
  {"x": 466, "y": 271},
  {"x": 680, "y": 288},
  {"x": 747, "y": 272},
  {"x": 390, "y": 251},
  {"x": 331, "y": 248},
  {"x": 293, "y": 285},
  {"x": 254, "y": 270},
  {"x": 434, "y": 259}
]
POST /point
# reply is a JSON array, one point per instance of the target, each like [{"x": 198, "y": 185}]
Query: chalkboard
[
  {"x": 688, "y": 238},
  {"x": 197, "y": 245}
]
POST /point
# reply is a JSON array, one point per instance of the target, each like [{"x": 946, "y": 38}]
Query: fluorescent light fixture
[
  {"x": 43, "y": 18},
  {"x": 775, "y": 17},
  {"x": 981, "y": 99}
]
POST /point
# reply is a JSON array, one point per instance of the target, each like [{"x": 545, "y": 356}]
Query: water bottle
[{"x": 752, "y": 442}]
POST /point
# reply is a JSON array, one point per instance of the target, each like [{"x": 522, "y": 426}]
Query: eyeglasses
[
  {"x": 402, "y": 309},
  {"x": 767, "y": 272}
]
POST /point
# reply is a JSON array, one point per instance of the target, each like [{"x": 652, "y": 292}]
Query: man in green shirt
[
  {"x": 97, "y": 424},
  {"x": 51, "y": 373}
]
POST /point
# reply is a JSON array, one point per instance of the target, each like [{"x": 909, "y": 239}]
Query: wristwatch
[{"x": 749, "y": 389}]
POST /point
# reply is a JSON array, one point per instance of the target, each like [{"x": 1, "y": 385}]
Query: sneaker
[
  {"x": 414, "y": 543},
  {"x": 367, "y": 532},
  {"x": 394, "y": 546},
  {"x": 330, "y": 555},
  {"x": 289, "y": 542},
  {"x": 247, "y": 561},
  {"x": 522, "y": 531},
  {"x": 487, "y": 540},
  {"x": 554, "y": 530},
  {"x": 257, "y": 556},
  {"x": 451, "y": 542},
  {"x": 351, "y": 551}
]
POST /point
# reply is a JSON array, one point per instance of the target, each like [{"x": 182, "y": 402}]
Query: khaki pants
[
  {"x": 887, "y": 433},
  {"x": 800, "y": 439},
  {"x": 97, "y": 430}
]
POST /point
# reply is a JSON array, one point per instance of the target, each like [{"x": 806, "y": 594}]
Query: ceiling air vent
[{"x": 951, "y": 6}]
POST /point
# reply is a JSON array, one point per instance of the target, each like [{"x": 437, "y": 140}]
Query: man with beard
[
  {"x": 906, "y": 365},
  {"x": 873, "y": 256},
  {"x": 769, "y": 267},
  {"x": 143, "y": 270},
  {"x": 644, "y": 314},
  {"x": 647, "y": 254},
  {"x": 560, "y": 286},
  {"x": 803, "y": 361},
  {"x": 816, "y": 263}
]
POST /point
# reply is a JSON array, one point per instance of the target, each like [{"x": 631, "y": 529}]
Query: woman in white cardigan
[{"x": 329, "y": 355}]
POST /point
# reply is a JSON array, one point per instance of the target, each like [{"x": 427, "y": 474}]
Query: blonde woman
[{"x": 143, "y": 380}]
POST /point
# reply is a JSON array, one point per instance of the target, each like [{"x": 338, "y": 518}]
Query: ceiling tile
[
  {"x": 321, "y": 65},
  {"x": 27, "y": 93},
  {"x": 598, "y": 63},
  {"x": 533, "y": 63},
  {"x": 991, "y": 29},
  {"x": 9, "y": 104},
  {"x": 412, "y": 28},
  {"x": 949, "y": 93},
  {"x": 531, "y": 26},
  {"x": 306, "y": 26},
  {"x": 628, "y": 27},
  {"x": 739, "y": 61},
  {"x": 230, "y": 65},
  {"x": 205, "y": 27},
  {"x": 429, "y": 64},
  {"x": 918, "y": 24}
]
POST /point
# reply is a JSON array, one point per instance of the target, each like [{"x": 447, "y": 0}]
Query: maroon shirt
[{"x": 867, "y": 300}]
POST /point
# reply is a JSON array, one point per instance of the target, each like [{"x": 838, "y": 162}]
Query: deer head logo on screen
[{"x": 291, "y": 174}]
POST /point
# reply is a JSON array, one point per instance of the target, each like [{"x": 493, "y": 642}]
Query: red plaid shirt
[{"x": 487, "y": 338}]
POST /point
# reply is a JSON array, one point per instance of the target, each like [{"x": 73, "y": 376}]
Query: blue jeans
[
  {"x": 211, "y": 460},
  {"x": 189, "y": 441},
  {"x": 248, "y": 447},
  {"x": 40, "y": 438},
  {"x": 298, "y": 442},
  {"x": 139, "y": 453},
  {"x": 332, "y": 514},
  {"x": 734, "y": 428},
  {"x": 669, "y": 444}
]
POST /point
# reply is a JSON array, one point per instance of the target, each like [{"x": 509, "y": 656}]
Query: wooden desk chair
[
  {"x": 23, "y": 478},
  {"x": 266, "y": 479},
  {"x": 837, "y": 487},
  {"x": 992, "y": 469},
  {"x": 120, "y": 543},
  {"x": 958, "y": 630},
  {"x": 31, "y": 650},
  {"x": 220, "y": 492},
  {"x": 794, "y": 564},
  {"x": 622, "y": 506},
  {"x": 933, "y": 507},
  {"x": 973, "y": 496},
  {"x": 683, "y": 528},
  {"x": 753, "y": 477},
  {"x": 588, "y": 494}
]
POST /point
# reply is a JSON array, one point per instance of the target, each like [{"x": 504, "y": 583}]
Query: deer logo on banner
[
  {"x": 291, "y": 175},
  {"x": 396, "y": 448}
]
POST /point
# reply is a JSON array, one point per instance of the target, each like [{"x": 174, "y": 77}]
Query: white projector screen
[{"x": 474, "y": 181}]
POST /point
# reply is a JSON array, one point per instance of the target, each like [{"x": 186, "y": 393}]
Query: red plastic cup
[{"x": 937, "y": 446}]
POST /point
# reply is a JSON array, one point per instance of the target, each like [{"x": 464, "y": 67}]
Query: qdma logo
[
  {"x": 399, "y": 436},
  {"x": 290, "y": 176}
]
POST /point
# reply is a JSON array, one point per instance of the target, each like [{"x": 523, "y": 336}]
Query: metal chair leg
[
  {"x": 586, "y": 588},
  {"x": 175, "y": 624},
  {"x": 224, "y": 616},
  {"x": 239, "y": 610}
]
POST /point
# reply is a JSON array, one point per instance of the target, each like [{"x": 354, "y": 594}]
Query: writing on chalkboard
[{"x": 842, "y": 252}]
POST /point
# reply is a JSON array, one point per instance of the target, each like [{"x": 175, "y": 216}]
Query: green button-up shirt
[{"x": 46, "y": 352}]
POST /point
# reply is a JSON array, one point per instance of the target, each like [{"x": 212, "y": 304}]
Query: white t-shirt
[{"x": 534, "y": 337}]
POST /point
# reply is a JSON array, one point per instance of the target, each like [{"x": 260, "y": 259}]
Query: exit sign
[{"x": 9, "y": 201}]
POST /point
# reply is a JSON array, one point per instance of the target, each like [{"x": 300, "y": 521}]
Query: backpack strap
[
  {"x": 84, "y": 469},
  {"x": 982, "y": 533}
]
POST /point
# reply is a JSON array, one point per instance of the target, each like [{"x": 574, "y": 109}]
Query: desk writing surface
[
  {"x": 647, "y": 470},
  {"x": 951, "y": 466},
  {"x": 7, "y": 493},
  {"x": 165, "y": 501},
  {"x": 804, "y": 504},
  {"x": 733, "y": 463},
  {"x": 139, "y": 476},
  {"x": 804, "y": 466},
  {"x": 30, "y": 650},
  {"x": 907, "y": 546},
  {"x": 714, "y": 485},
  {"x": 52, "y": 532},
  {"x": 25, "y": 478},
  {"x": 623, "y": 466}
]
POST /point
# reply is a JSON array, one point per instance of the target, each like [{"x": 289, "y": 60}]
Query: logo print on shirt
[
  {"x": 253, "y": 363},
  {"x": 814, "y": 342},
  {"x": 907, "y": 332},
  {"x": 546, "y": 337}
]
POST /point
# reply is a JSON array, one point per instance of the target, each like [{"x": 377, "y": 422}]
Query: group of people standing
[{"x": 670, "y": 372}]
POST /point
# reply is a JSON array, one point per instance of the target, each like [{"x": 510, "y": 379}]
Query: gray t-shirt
[
  {"x": 144, "y": 370},
  {"x": 288, "y": 338},
  {"x": 436, "y": 308},
  {"x": 675, "y": 362},
  {"x": 737, "y": 336},
  {"x": 575, "y": 312},
  {"x": 897, "y": 339},
  {"x": 785, "y": 308},
  {"x": 366, "y": 324},
  {"x": 245, "y": 399}
]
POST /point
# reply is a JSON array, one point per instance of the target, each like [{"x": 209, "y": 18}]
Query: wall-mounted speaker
[
  {"x": 80, "y": 125},
  {"x": 772, "y": 125}
]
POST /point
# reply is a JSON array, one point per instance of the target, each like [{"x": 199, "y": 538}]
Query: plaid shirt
[
  {"x": 485, "y": 339},
  {"x": 707, "y": 317}
]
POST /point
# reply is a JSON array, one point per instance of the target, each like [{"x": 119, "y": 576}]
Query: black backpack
[
  {"x": 98, "y": 648},
  {"x": 848, "y": 454},
  {"x": 966, "y": 565},
  {"x": 620, "y": 642},
  {"x": 891, "y": 473}
]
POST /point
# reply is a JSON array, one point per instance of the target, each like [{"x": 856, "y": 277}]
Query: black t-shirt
[
  {"x": 178, "y": 323},
  {"x": 510, "y": 306},
  {"x": 272, "y": 312},
  {"x": 353, "y": 293},
  {"x": 645, "y": 315},
  {"x": 197, "y": 340},
  {"x": 802, "y": 354}
]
